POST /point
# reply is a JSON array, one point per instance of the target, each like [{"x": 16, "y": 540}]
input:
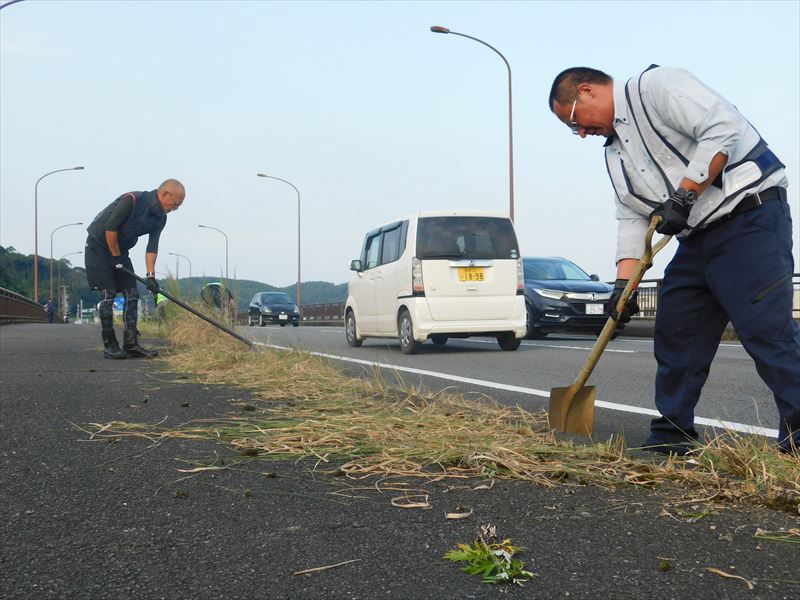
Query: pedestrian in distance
[
  {"x": 50, "y": 307},
  {"x": 112, "y": 234},
  {"x": 677, "y": 149}
]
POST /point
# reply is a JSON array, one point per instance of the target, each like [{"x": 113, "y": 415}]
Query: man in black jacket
[{"x": 112, "y": 234}]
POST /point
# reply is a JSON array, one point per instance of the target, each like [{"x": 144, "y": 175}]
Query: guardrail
[
  {"x": 649, "y": 291},
  {"x": 16, "y": 308},
  {"x": 328, "y": 311}
]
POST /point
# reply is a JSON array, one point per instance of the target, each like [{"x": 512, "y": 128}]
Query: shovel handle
[
  {"x": 645, "y": 263},
  {"x": 193, "y": 311}
]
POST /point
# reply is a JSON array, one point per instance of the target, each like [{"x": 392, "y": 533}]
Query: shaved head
[
  {"x": 172, "y": 185},
  {"x": 171, "y": 194}
]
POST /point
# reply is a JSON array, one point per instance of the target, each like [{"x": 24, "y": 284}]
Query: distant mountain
[
  {"x": 311, "y": 292},
  {"x": 16, "y": 274}
]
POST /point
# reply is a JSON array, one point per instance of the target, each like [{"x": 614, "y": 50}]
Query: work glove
[
  {"x": 117, "y": 262},
  {"x": 674, "y": 212},
  {"x": 152, "y": 284},
  {"x": 631, "y": 306}
]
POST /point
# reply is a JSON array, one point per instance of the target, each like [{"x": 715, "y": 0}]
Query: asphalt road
[
  {"x": 81, "y": 518},
  {"x": 624, "y": 377}
]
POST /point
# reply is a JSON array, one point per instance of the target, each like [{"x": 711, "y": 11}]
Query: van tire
[
  {"x": 439, "y": 340},
  {"x": 350, "y": 330},
  {"x": 261, "y": 321},
  {"x": 508, "y": 342},
  {"x": 405, "y": 331}
]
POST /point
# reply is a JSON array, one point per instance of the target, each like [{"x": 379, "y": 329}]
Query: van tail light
[
  {"x": 416, "y": 275},
  {"x": 520, "y": 275}
]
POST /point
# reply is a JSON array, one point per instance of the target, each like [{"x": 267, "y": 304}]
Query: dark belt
[
  {"x": 748, "y": 203},
  {"x": 755, "y": 200}
]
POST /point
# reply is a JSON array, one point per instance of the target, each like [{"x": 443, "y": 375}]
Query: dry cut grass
[{"x": 364, "y": 427}]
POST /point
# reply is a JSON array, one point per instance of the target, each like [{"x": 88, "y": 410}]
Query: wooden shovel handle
[{"x": 645, "y": 263}]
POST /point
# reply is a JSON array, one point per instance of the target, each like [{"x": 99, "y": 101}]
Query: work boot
[
  {"x": 133, "y": 348},
  {"x": 112, "y": 349}
]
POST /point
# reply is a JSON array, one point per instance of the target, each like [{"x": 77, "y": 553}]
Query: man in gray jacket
[{"x": 677, "y": 149}]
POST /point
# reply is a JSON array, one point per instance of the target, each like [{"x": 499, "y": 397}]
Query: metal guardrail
[
  {"x": 649, "y": 291},
  {"x": 328, "y": 311},
  {"x": 16, "y": 308}
]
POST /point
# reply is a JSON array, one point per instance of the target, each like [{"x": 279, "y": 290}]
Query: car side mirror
[
  {"x": 355, "y": 265},
  {"x": 594, "y": 277}
]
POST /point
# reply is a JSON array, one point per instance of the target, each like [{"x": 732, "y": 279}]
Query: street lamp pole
[
  {"x": 177, "y": 262},
  {"x": 51, "y": 253},
  {"x": 226, "y": 250},
  {"x": 298, "y": 228},
  {"x": 438, "y": 29},
  {"x": 60, "y": 304},
  {"x": 36, "y": 230}
]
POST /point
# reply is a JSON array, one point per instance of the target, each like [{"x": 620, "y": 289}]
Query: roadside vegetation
[{"x": 307, "y": 407}]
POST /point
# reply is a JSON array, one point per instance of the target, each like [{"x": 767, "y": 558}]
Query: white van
[{"x": 438, "y": 275}]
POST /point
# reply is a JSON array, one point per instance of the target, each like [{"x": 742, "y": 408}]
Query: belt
[
  {"x": 755, "y": 200},
  {"x": 749, "y": 203}
]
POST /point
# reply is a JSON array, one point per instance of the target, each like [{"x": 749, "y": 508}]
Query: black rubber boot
[
  {"x": 132, "y": 347},
  {"x": 112, "y": 349}
]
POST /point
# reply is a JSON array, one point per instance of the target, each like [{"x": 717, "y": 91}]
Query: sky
[{"x": 360, "y": 106}]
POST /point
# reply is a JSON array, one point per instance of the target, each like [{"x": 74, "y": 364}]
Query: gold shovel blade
[{"x": 572, "y": 410}]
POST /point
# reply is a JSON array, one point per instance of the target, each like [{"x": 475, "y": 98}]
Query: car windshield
[
  {"x": 466, "y": 238},
  {"x": 553, "y": 269},
  {"x": 276, "y": 298}
]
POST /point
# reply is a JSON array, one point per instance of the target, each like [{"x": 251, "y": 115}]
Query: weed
[{"x": 494, "y": 562}]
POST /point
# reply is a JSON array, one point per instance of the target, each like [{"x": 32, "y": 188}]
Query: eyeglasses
[{"x": 572, "y": 123}]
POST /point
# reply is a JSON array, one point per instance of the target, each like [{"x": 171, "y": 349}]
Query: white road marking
[
  {"x": 540, "y": 345},
  {"x": 716, "y": 423}
]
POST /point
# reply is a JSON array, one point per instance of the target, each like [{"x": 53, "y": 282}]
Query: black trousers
[{"x": 101, "y": 275}]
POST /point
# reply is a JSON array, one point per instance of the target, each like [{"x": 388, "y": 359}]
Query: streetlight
[
  {"x": 36, "y": 230},
  {"x": 226, "y": 249},
  {"x": 177, "y": 263},
  {"x": 60, "y": 304},
  {"x": 51, "y": 252},
  {"x": 438, "y": 29},
  {"x": 298, "y": 228}
]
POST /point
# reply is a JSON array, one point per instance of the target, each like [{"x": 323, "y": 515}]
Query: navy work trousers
[{"x": 739, "y": 270}]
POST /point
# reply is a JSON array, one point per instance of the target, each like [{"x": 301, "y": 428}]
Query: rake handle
[{"x": 193, "y": 311}]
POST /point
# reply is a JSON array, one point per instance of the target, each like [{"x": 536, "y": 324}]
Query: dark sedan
[
  {"x": 273, "y": 307},
  {"x": 560, "y": 296}
]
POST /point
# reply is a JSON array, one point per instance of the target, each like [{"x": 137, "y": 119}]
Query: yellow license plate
[{"x": 471, "y": 274}]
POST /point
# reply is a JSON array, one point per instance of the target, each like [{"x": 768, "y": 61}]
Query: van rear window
[{"x": 476, "y": 238}]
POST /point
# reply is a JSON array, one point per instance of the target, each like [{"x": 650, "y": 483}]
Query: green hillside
[{"x": 16, "y": 274}]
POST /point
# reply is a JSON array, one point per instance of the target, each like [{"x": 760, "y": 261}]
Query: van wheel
[
  {"x": 250, "y": 320},
  {"x": 261, "y": 321},
  {"x": 350, "y": 330},
  {"x": 508, "y": 342},
  {"x": 405, "y": 327},
  {"x": 439, "y": 340}
]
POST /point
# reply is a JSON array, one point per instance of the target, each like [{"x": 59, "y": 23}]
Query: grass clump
[
  {"x": 310, "y": 408},
  {"x": 493, "y": 561}
]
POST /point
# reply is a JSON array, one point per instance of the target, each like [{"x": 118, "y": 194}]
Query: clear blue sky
[{"x": 359, "y": 105}]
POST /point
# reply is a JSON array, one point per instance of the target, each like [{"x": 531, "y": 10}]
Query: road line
[{"x": 715, "y": 423}]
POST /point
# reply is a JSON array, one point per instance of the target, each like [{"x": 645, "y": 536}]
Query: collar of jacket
[{"x": 151, "y": 198}]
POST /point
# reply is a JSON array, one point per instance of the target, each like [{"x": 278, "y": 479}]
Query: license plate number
[
  {"x": 594, "y": 309},
  {"x": 471, "y": 274},
  {"x": 283, "y": 317}
]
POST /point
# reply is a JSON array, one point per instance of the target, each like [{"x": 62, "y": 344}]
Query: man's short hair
[
  {"x": 171, "y": 183},
  {"x": 566, "y": 83}
]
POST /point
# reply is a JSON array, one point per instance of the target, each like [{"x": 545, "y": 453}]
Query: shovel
[
  {"x": 194, "y": 312},
  {"x": 572, "y": 408}
]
